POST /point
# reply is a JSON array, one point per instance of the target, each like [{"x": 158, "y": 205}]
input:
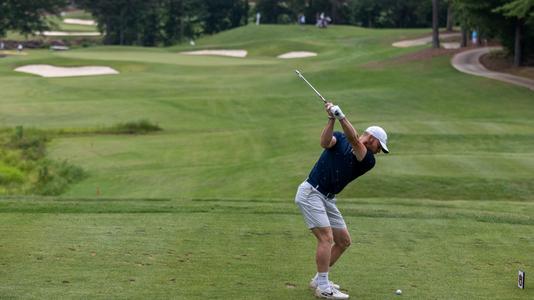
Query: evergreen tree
[
  {"x": 27, "y": 16},
  {"x": 221, "y": 15},
  {"x": 522, "y": 13},
  {"x": 510, "y": 21}
]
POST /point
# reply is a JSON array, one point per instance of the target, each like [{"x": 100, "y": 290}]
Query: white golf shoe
[
  {"x": 313, "y": 284},
  {"x": 330, "y": 293}
]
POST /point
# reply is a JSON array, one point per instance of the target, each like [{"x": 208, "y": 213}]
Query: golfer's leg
[
  {"x": 341, "y": 242},
  {"x": 339, "y": 230},
  {"x": 324, "y": 247}
]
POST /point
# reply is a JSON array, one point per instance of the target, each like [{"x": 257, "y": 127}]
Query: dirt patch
[
  {"x": 12, "y": 52},
  {"x": 290, "y": 285},
  {"x": 426, "y": 34},
  {"x": 423, "y": 41},
  {"x": 423, "y": 55},
  {"x": 500, "y": 62}
]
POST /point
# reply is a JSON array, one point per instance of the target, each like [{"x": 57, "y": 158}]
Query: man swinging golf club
[{"x": 346, "y": 156}]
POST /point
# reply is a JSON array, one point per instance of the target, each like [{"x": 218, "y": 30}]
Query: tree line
[
  {"x": 155, "y": 22},
  {"x": 366, "y": 13},
  {"x": 509, "y": 21},
  {"x": 27, "y": 16},
  {"x": 166, "y": 22}
]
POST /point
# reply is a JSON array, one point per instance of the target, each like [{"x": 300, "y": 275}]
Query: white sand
[
  {"x": 79, "y": 22},
  {"x": 297, "y": 54},
  {"x": 231, "y": 53},
  {"x": 64, "y": 33},
  {"x": 422, "y": 41},
  {"x": 51, "y": 71},
  {"x": 451, "y": 45}
]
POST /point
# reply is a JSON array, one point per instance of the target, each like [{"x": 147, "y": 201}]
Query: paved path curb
[{"x": 469, "y": 62}]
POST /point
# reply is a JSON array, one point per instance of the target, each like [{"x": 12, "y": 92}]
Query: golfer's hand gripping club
[{"x": 336, "y": 111}]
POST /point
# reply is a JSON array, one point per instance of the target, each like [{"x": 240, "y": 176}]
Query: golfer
[{"x": 346, "y": 157}]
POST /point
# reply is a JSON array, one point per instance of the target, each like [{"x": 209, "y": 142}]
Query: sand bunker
[
  {"x": 451, "y": 45},
  {"x": 297, "y": 54},
  {"x": 231, "y": 53},
  {"x": 64, "y": 33},
  {"x": 51, "y": 71},
  {"x": 79, "y": 22}
]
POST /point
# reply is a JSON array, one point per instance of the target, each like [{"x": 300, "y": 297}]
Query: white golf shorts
[{"x": 317, "y": 209}]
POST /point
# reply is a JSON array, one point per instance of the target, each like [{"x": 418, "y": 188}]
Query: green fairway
[{"x": 204, "y": 208}]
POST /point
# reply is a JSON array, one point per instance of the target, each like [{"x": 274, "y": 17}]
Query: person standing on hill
[{"x": 346, "y": 156}]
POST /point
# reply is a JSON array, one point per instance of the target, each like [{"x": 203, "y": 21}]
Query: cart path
[{"x": 469, "y": 62}]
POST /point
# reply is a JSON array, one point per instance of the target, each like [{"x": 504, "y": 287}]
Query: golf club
[{"x": 302, "y": 77}]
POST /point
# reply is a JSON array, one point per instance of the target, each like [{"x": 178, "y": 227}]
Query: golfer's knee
[
  {"x": 326, "y": 238},
  {"x": 344, "y": 242}
]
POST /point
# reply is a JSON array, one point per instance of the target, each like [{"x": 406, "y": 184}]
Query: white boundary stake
[{"x": 521, "y": 280}]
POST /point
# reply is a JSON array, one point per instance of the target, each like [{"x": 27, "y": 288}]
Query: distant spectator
[
  {"x": 474, "y": 37},
  {"x": 258, "y": 17},
  {"x": 302, "y": 19},
  {"x": 2, "y": 45},
  {"x": 20, "y": 47},
  {"x": 322, "y": 21}
]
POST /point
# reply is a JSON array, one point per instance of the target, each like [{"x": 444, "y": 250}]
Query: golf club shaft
[{"x": 302, "y": 77}]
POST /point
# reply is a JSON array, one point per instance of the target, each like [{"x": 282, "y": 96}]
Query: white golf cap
[{"x": 381, "y": 135}]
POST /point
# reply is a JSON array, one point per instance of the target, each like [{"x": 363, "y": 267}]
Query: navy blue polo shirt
[{"x": 338, "y": 166}]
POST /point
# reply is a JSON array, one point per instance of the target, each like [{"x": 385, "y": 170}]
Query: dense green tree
[
  {"x": 394, "y": 13},
  {"x": 275, "y": 11},
  {"x": 522, "y": 13},
  {"x": 521, "y": 9},
  {"x": 27, "y": 16},
  {"x": 450, "y": 15},
  {"x": 118, "y": 19},
  {"x": 510, "y": 21},
  {"x": 219, "y": 15},
  {"x": 367, "y": 13},
  {"x": 154, "y": 22},
  {"x": 435, "y": 24},
  {"x": 181, "y": 20}
]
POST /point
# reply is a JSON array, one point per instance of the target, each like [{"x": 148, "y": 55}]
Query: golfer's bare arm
[
  {"x": 358, "y": 148},
  {"x": 328, "y": 140}
]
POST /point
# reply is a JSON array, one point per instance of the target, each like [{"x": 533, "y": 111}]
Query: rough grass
[{"x": 24, "y": 169}]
